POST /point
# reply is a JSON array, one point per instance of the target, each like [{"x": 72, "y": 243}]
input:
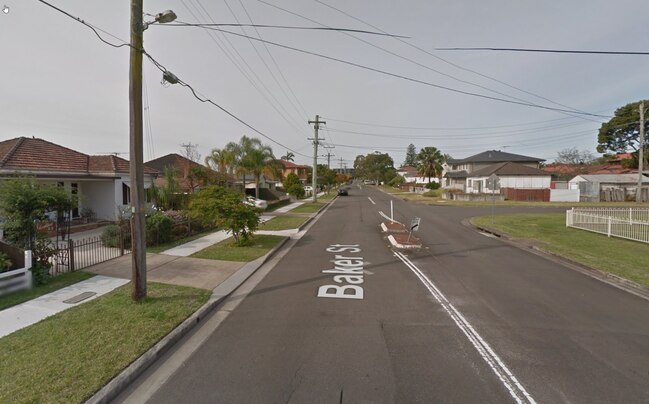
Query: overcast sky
[{"x": 60, "y": 83}]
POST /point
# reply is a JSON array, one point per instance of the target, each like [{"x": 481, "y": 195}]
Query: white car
[
  {"x": 257, "y": 203},
  {"x": 308, "y": 188}
]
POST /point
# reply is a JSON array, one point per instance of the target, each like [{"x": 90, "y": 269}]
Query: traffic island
[
  {"x": 404, "y": 240},
  {"x": 393, "y": 227}
]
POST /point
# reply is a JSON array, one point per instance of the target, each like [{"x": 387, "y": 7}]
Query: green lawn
[
  {"x": 625, "y": 258},
  {"x": 283, "y": 223},
  {"x": 68, "y": 357},
  {"x": 162, "y": 247},
  {"x": 310, "y": 207},
  {"x": 54, "y": 283},
  {"x": 227, "y": 250}
]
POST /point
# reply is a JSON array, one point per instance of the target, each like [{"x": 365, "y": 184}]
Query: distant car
[
  {"x": 257, "y": 203},
  {"x": 342, "y": 192},
  {"x": 308, "y": 188}
]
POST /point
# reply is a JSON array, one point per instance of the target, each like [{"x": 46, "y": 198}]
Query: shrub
[
  {"x": 297, "y": 190},
  {"x": 110, "y": 236},
  {"x": 435, "y": 193},
  {"x": 396, "y": 181},
  {"x": 5, "y": 262},
  {"x": 42, "y": 252},
  {"x": 158, "y": 228},
  {"x": 433, "y": 185}
]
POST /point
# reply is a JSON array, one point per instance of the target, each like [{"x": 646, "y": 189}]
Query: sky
[{"x": 60, "y": 83}]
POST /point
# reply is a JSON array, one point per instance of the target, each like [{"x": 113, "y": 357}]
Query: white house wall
[
  {"x": 517, "y": 181},
  {"x": 100, "y": 196}
]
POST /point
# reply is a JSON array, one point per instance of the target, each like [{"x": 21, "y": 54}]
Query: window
[{"x": 126, "y": 194}]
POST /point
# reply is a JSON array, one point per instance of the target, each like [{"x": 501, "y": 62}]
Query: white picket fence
[
  {"x": 17, "y": 279},
  {"x": 629, "y": 223}
]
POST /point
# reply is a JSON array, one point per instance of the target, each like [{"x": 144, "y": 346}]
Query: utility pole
[
  {"x": 314, "y": 175},
  {"x": 136, "y": 165},
  {"x": 329, "y": 155},
  {"x": 638, "y": 194}
]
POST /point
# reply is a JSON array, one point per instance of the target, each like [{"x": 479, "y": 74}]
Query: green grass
[
  {"x": 625, "y": 258},
  {"x": 327, "y": 197},
  {"x": 283, "y": 223},
  {"x": 68, "y": 357},
  {"x": 227, "y": 250},
  {"x": 310, "y": 207},
  {"x": 162, "y": 247},
  {"x": 54, "y": 283}
]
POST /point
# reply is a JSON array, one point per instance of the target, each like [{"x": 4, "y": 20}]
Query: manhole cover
[{"x": 79, "y": 298}]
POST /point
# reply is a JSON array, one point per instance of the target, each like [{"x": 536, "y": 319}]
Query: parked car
[
  {"x": 257, "y": 203},
  {"x": 342, "y": 192},
  {"x": 308, "y": 188}
]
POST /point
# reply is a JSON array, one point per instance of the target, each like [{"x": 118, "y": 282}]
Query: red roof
[
  {"x": 38, "y": 155},
  {"x": 407, "y": 168},
  {"x": 290, "y": 164}
]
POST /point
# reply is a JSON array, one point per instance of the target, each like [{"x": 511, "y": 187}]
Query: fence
[
  {"x": 73, "y": 255},
  {"x": 629, "y": 223},
  {"x": 17, "y": 279}
]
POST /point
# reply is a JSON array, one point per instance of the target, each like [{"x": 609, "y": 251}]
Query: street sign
[
  {"x": 493, "y": 182},
  {"x": 414, "y": 224}
]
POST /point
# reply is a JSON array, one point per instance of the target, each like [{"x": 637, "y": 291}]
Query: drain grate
[{"x": 79, "y": 298}]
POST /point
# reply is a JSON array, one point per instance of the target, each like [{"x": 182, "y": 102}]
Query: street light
[
  {"x": 136, "y": 163},
  {"x": 5, "y": 9}
]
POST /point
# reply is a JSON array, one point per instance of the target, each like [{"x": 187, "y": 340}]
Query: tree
[
  {"x": 430, "y": 161},
  {"x": 24, "y": 202},
  {"x": 622, "y": 132},
  {"x": 411, "y": 156},
  {"x": 288, "y": 156},
  {"x": 375, "y": 166},
  {"x": 166, "y": 196},
  {"x": 190, "y": 151},
  {"x": 326, "y": 176},
  {"x": 257, "y": 161},
  {"x": 293, "y": 185},
  {"x": 222, "y": 160},
  {"x": 216, "y": 206},
  {"x": 574, "y": 156}
]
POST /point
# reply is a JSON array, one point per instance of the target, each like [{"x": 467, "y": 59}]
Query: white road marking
[
  {"x": 373, "y": 203},
  {"x": 516, "y": 390},
  {"x": 388, "y": 217}
]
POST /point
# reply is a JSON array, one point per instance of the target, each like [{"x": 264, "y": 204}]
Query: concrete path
[{"x": 33, "y": 311}]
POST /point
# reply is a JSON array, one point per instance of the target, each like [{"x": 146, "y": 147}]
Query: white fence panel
[
  {"x": 17, "y": 279},
  {"x": 564, "y": 195},
  {"x": 631, "y": 223}
]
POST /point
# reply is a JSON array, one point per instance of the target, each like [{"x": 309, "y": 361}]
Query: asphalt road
[{"x": 466, "y": 319}]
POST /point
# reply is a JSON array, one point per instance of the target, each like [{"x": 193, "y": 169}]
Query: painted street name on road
[{"x": 347, "y": 270}]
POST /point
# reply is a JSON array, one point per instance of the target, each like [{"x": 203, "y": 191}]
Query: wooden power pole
[
  {"x": 314, "y": 174},
  {"x": 638, "y": 194},
  {"x": 136, "y": 164}
]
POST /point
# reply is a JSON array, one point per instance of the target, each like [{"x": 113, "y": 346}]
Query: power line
[
  {"x": 451, "y": 63},
  {"x": 406, "y": 78},
  {"x": 359, "y": 31},
  {"x": 587, "y": 52},
  {"x": 164, "y": 70}
]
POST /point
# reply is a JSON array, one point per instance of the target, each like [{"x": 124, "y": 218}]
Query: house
[
  {"x": 457, "y": 171},
  {"x": 102, "y": 183},
  {"x": 290, "y": 167},
  {"x": 510, "y": 175},
  {"x": 189, "y": 174},
  {"x": 411, "y": 176},
  {"x": 597, "y": 187}
]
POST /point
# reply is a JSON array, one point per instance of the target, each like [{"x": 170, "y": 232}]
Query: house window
[
  {"x": 470, "y": 183},
  {"x": 126, "y": 194},
  {"x": 74, "y": 190}
]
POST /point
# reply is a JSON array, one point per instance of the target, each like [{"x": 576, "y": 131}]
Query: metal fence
[
  {"x": 73, "y": 255},
  {"x": 629, "y": 223}
]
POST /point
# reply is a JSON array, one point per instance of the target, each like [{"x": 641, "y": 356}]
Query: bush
[
  {"x": 433, "y": 185},
  {"x": 5, "y": 262},
  {"x": 297, "y": 190},
  {"x": 396, "y": 181},
  {"x": 435, "y": 193},
  {"x": 110, "y": 236},
  {"x": 158, "y": 228}
]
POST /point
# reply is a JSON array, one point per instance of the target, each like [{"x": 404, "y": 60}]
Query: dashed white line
[
  {"x": 373, "y": 203},
  {"x": 515, "y": 388}
]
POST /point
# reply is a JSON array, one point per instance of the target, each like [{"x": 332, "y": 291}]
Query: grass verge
[
  {"x": 283, "y": 223},
  {"x": 68, "y": 357},
  {"x": 162, "y": 247},
  {"x": 55, "y": 283},
  {"x": 227, "y": 250},
  {"x": 625, "y": 258},
  {"x": 310, "y": 207}
]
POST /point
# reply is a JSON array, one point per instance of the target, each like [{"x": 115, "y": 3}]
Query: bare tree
[
  {"x": 190, "y": 151},
  {"x": 574, "y": 156}
]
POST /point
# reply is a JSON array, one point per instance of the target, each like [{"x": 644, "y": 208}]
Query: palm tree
[
  {"x": 258, "y": 161},
  {"x": 288, "y": 156},
  {"x": 430, "y": 161}
]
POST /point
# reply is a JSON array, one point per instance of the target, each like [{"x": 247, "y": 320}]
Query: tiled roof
[
  {"x": 35, "y": 155},
  {"x": 181, "y": 163},
  {"x": 407, "y": 168},
  {"x": 456, "y": 174},
  {"x": 494, "y": 156},
  {"x": 508, "y": 169},
  {"x": 290, "y": 164}
]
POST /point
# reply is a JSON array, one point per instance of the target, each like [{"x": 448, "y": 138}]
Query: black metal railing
[{"x": 73, "y": 255}]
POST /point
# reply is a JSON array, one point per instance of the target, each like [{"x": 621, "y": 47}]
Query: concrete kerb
[
  {"x": 611, "y": 279},
  {"x": 137, "y": 367}
]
